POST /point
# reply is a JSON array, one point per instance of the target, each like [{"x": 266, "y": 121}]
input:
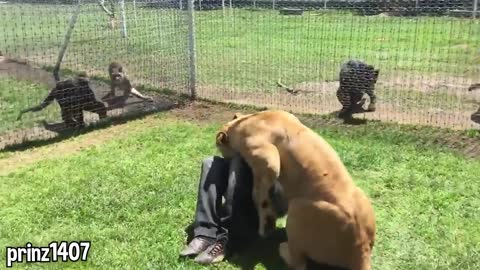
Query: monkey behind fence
[
  {"x": 74, "y": 96},
  {"x": 119, "y": 79},
  {"x": 357, "y": 84}
]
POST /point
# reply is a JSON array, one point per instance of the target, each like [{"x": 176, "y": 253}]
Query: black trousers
[{"x": 236, "y": 219}]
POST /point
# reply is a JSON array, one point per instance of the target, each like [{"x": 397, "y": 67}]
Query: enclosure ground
[
  {"x": 131, "y": 190},
  {"x": 416, "y": 106},
  {"x": 426, "y": 63}
]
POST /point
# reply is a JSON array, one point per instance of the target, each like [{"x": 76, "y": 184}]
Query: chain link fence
[
  {"x": 279, "y": 54},
  {"x": 288, "y": 55}
]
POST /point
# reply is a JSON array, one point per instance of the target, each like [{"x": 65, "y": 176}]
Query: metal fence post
[
  {"x": 124, "y": 19},
  {"x": 66, "y": 39},
  {"x": 475, "y": 8},
  {"x": 135, "y": 12},
  {"x": 191, "y": 49}
]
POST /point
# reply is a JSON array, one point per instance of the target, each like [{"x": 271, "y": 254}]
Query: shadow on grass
[
  {"x": 248, "y": 254},
  {"x": 63, "y": 133},
  {"x": 352, "y": 122}
]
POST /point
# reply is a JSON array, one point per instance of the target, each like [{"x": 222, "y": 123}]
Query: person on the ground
[{"x": 225, "y": 215}]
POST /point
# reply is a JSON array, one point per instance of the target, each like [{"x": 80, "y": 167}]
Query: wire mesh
[
  {"x": 289, "y": 54},
  {"x": 279, "y": 54}
]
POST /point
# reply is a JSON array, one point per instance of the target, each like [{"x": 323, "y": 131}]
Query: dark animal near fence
[
  {"x": 357, "y": 81},
  {"x": 74, "y": 96}
]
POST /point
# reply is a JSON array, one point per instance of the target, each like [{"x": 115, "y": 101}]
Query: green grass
[
  {"x": 154, "y": 51},
  {"x": 134, "y": 197},
  {"x": 18, "y": 95},
  {"x": 257, "y": 48}
]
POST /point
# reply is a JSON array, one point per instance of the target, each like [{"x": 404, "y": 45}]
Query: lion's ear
[
  {"x": 237, "y": 115},
  {"x": 222, "y": 138}
]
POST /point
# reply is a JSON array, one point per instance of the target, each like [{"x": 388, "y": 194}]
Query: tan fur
[
  {"x": 119, "y": 79},
  {"x": 330, "y": 220}
]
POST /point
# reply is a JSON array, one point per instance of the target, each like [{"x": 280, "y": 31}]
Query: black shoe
[
  {"x": 196, "y": 246},
  {"x": 213, "y": 254}
]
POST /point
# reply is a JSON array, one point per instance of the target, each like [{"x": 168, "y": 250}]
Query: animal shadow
[
  {"x": 260, "y": 251},
  {"x": 475, "y": 117},
  {"x": 119, "y": 102},
  {"x": 265, "y": 252},
  {"x": 246, "y": 255},
  {"x": 59, "y": 127},
  {"x": 355, "y": 121},
  {"x": 352, "y": 121}
]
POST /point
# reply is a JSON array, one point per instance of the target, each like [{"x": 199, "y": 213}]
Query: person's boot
[
  {"x": 213, "y": 254},
  {"x": 196, "y": 246}
]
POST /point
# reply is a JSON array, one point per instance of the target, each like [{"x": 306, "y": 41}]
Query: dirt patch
[
  {"x": 206, "y": 113},
  {"x": 415, "y": 82},
  {"x": 20, "y": 69},
  {"x": 431, "y": 83},
  {"x": 393, "y": 105}
]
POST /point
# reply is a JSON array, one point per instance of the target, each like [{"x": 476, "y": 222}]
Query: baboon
[
  {"x": 118, "y": 79},
  {"x": 74, "y": 96},
  {"x": 357, "y": 83}
]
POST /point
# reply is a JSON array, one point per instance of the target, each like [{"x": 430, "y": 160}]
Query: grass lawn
[
  {"x": 134, "y": 196},
  {"x": 18, "y": 95},
  {"x": 255, "y": 49}
]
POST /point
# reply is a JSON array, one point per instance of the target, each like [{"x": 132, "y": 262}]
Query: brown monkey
[{"x": 118, "y": 79}]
